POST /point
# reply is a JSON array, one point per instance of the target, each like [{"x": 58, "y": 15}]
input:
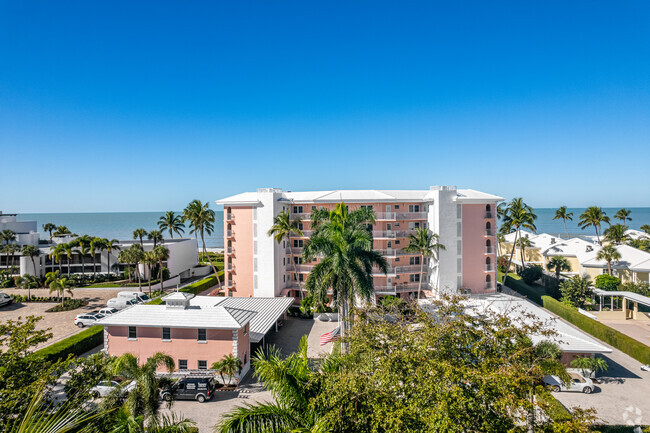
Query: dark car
[{"x": 190, "y": 388}]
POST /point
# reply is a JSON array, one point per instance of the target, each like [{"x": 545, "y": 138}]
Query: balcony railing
[
  {"x": 230, "y": 233},
  {"x": 302, "y": 216},
  {"x": 410, "y": 269},
  {"x": 394, "y": 252},
  {"x": 489, "y": 250},
  {"x": 230, "y": 267},
  {"x": 230, "y": 217},
  {"x": 230, "y": 250},
  {"x": 392, "y": 234},
  {"x": 391, "y": 216},
  {"x": 300, "y": 268},
  {"x": 412, "y": 216},
  {"x": 488, "y": 214},
  {"x": 295, "y": 250},
  {"x": 385, "y": 290},
  {"x": 489, "y": 232},
  {"x": 305, "y": 234},
  {"x": 489, "y": 268}
]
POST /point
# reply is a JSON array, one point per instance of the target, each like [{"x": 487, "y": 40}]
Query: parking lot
[
  {"x": 61, "y": 323},
  {"x": 621, "y": 397}
]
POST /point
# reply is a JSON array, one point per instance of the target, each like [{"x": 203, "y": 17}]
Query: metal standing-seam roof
[{"x": 640, "y": 299}]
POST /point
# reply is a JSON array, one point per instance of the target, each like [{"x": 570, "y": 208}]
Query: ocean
[{"x": 120, "y": 225}]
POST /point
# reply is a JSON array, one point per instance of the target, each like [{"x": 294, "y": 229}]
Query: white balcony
[
  {"x": 230, "y": 267},
  {"x": 385, "y": 290},
  {"x": 302, "y": 216},
  {"x": 305, "y": 234},
  {"x": 230, "y": 250},
  {"x": 230, "y": 216},
  {"x": 295, "y": 250},
  {"x": 230, "y": 233},
  {"x": 489, "y": 250},
  {"x": 391, "y": 234},
  {"x": 489, "y": 268},
  {"x": 489, "y": 232},
  {"x": 414, "y": 269},
  {"x": 385, "y": 216},
  {"x": 303, "y": 269},
  {"x": 488, "y": 215},
  {"x": 411, "y": 215},
  {"x": 394, "y": 252}
]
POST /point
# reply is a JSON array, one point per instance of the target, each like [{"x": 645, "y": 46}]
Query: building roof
[
  {"x": 216, "y": 317},
  {"x": 574, "y": 247},
  {"x": 568, "y": 338},
  {"x": 643, "y": 300},
  {"x": 631, "y": 258},
  {"x": 358, "y": 195},
  {"x": 636, "y": 234}
]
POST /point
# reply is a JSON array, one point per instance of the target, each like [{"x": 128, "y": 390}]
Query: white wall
[
  {"x": 443, "y": 220},
  {"x": 269, "y": 252}
]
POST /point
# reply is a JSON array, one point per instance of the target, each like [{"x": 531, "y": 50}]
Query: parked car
[
  {"x": 578, "y": 383},
  {"x": 120, "y": 303},
  {"x": 108, "y": 311},
  {"x": 105, "y": 387},
  {"x": 87, "y": 319},
  {"x": 5, "y": 299},
  {"x": 190, "y": 388},
  {"x": 138, "y": 296}
]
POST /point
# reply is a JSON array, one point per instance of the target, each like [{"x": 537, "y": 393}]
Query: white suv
[
  {"x": 108, "y": 311},
  {"x": 578, "y": 383},
  {"x": 105, "y": 387},
  {"x": 87, "y": 319}
]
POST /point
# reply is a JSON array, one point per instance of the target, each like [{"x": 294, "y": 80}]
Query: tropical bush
[
  {"x": 607, "y": 282},
  {"x": 502, "y": 263},
  {"x": 531, "y": 273},
  {"x": 68, "y": 304},
  {"x": 75, "y": 345},
  {"x": 518, "y": 285},
  {"x": 576, "y": 291},
  {"x": 195, "y": 288},
  {"x": 622, "y": 342}
]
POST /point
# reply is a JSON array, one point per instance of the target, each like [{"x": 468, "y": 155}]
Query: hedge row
[
  {"x": 195, "y": 288},
  {"x": 622, "y": 342},
  {"x": 554, "y": 409},
  {"x": 515, "y": 282},
  {"x": 76, "y": 345}
]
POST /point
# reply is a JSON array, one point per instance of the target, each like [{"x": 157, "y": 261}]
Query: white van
[
  {"x": 120, "y": 303},
  {"x": 138, "y": 296}
]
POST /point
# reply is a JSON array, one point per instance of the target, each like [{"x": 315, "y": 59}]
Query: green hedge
[
  {"x": 622, "y": 342},
  {"x": 195, "y": 288},
  {"x": 515, "y": 282},
  {"x": 76, "y": 345},
  {"x": 554, "y": 409}
]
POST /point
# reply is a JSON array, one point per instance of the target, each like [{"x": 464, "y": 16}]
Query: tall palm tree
[
  {"x": 56, "y": 253},
  {"x": 156, "y": 236},
  {"x": 49, "y": 227},
  {"x": 645, "y": 228},
  {"x": 31, "y": 251},
  {"x": 171, "y": 222},
  {"x": 96, "y": 244},
  {"x": 344, "y": 243},
  {"x": 111, "y": 245},
  {"x": 558, "y": 264},
  {"x": 161, "y": 253},
  {"x": 522, "y": 244},
  {"x": 9, "y": 237},
  {"x": 83, "y": 248},
  {"x": 28, "y": 282},
  {"x": 283, "y": 228},
  {"x": 426, "y": 244},
  {"x": 144, "y": 398},
  {"x": 616, "y": 234},
  {"x": 136, "y": 254},
  {"x": 126, "y": 257},
  {"x": 610, "y": 254},
  {"x": 593, "y": 216},
  {"x": 149, "y": 258},
  {"x": 201, "y": 220},
  {"x": 139, "y": 234},
  {"x": 61, "y": 231},
  {"x": 58, "y": 284},
  {"x": 623, "y": 215},
  {"x": 563, "y": 214},
  {"x": 291, "y": 382},
  {"x": 516, "y": 215},
  {"x": 126, "y": 422},
  {"x": 69, "y": 250}
]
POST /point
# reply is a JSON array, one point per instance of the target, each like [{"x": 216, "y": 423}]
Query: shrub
[
  {"x": 76, "y": 345},
  {"x": 607, "y": 282},
  {"x": 502, "y": 264},
  {"x": 68, "y": 304},
  {"x": 622, "y": 342},
  {"x": 531, "y": 273},
  {"x": 195, "y": 288},
  {"x": 553, "y": 408},
  {"x": 576, "y": 291},
  {"x": 517, "y": 284}
]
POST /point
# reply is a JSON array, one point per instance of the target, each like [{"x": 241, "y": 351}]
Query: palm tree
[
  {"x": 645, "y": 228},
  {"x": 616, "y": 234},
  {"x": 83, "y": 250},
  {"x": 96, "y": 244},
  {"x": 136, "y": 254},
  {"x": 344, "y": 243},
  {"x": 150, "y": 260},
  {"x": 58, "y": 284},
  {"x": 558, "y": 264},
  {"x": 201, "y": 220},
  {"x": 155, "y": 236},
  {"x": 161, "y": 253},
  {"x": 112, "y": 245},
  {"x": 229, "y": 366},
  {"x": 144, "y": 398},
  {"x": 56, "y": 253},
  {"x": 31, "y": 251},
  {"x": 593, "y": 216},
  {"x": 290, "y": 381},
  {"x": 61, "y": 231},
  {"x": 283, "y": 228},
  {"x": 69, "y": 249},
  {"x": 49, "y": 227},
  {"x": 171, "y": 222},
  {"x": 9, "y": 237},
  {"x": 126, "y": 257},
  {"x": 563, "y": 214},
  {"x": 610, "y": 254},
  {"x": 517, "y": 215},
  {"x": 139, "y": 234},
  {"x": 28, "y": 282},
  {"x": 522, "y": 244},
  {"x": 126, "y": 422},
  {"x": 623, "y": 215},
  {"x": 426, "y": 244}
]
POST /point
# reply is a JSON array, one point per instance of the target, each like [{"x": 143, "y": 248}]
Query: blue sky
[{"x": 137, "y": 106}]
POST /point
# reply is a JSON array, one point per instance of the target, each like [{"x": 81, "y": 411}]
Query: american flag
[{"x": 330, "y": 336}]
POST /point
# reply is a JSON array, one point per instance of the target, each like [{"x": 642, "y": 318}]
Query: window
[
  {"x": 414, "y": 208},
  {"x": 230, "y": 293},
  {"x": 389, "y": 244},
  {"x": 300, "y": 226},
  {"x": 389, "y": 227},
  {"x": 203, "y": 364},
  {"x": 298, "y": 277},
  {"x": 167, "y": 334},
  {"x": 245, "y": 358},
  {"x": 414, "y": 278},
  {"x": 246, "y": 330},
  {"x": 298, "y": 243},
  {"x": 297, "y": 209},
  {"x": 313, "y": 208},
  {"x": 297, "y": 260},
  {"x": 396, "y": 206},
  {"x": 284, "y": 278},
  {"x": 414, "y": 260},
  {"x": 396, "y": 242},
  {"x": 132, "y": 333},
  {"x": 182, "y": 364},
  {"x": 202, "y": 335}
]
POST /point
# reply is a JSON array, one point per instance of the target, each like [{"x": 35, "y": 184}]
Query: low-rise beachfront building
[
  {"x": 633, "y": 266},
  {"x": 532, "y": 254},
  {"x": 572, "y": 342},
  {"x": 464, "y": 219},
  {"x": 195, "y": 331},
  {"x": 25, "y": 232},
  {"x": 575, "y": 250}
]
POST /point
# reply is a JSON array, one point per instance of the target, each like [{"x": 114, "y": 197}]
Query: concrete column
[
  {"x": 635, "y": 311},
  {"x": 624, "y": 305}
]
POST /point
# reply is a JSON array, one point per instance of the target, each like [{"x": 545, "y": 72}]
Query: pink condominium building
[{"x": 465, "y": 220}]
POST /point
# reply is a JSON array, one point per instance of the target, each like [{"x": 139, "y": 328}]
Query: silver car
[
  {"x": 578, "y": 383},
  {"x": 108, "y": 311},
  {"x": 87, "y": 319},
  {"x": 5, "y": 299},
  {"x": 105, "y": 387}
]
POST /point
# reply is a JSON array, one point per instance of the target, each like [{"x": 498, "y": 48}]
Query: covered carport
[
  {"x": 268, "y": 312},
  {"x": 624, "y": 313}
]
